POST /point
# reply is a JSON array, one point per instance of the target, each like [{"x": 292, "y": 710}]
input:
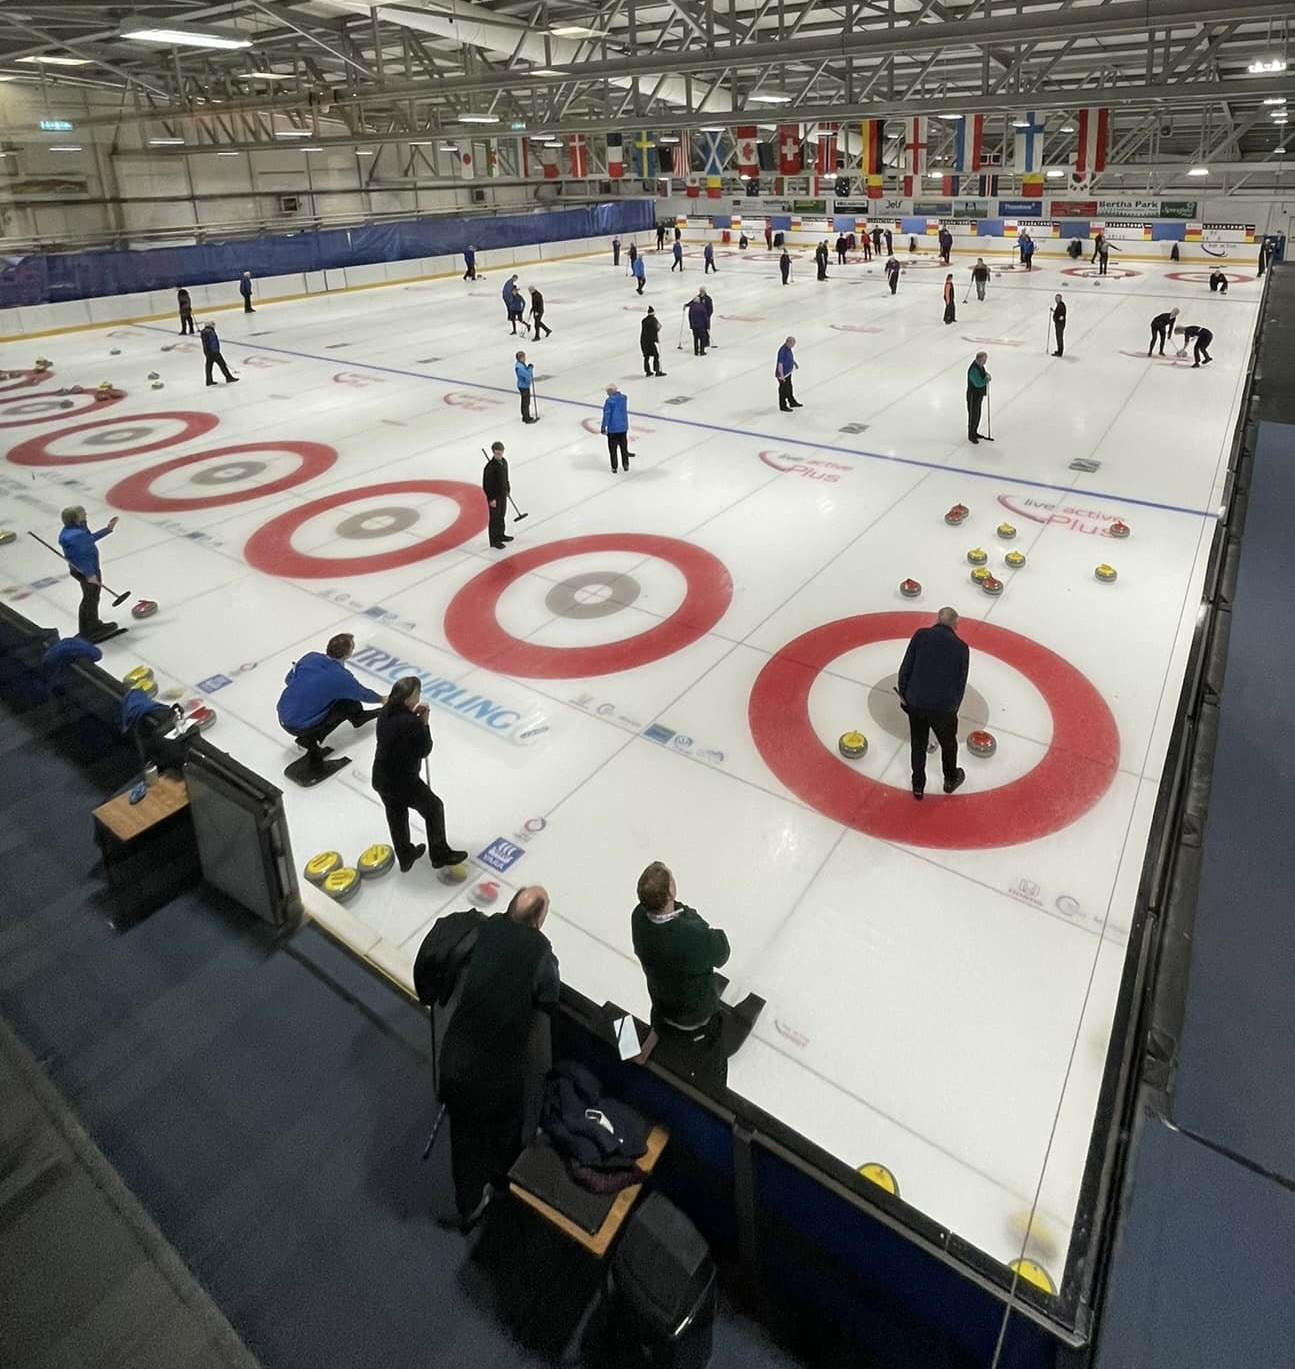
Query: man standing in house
[
  {"x": 616, "y": 427},
  {"x": 782, "y": 371},
  {"x": 932, "y": 681},
  {"x": 977, "y": 388},
  {"x": 650, "y": 343},
  {"x": 496, "y": 487}
]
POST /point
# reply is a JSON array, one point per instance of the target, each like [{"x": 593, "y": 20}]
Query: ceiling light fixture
[
  {"x": 293, "y": 133},
  {"x": 315, "y": 148},
  {"x": 229, "y": 154},
  {"x": 1277, "y": 151},
  {"x": 1275, "y": 100},
  {"x": 952, "y": 118},
  {"x": 264, "y": 76},
  {"x": 667, "y": 138},
  {"x": 720, "y": 128},
  {"x": 764, "y": 97},
  {"x": 544, "y": 71},
  {"x": 573, "y": 31},
  {"x": 446, "y": 147},
  {"x": 69, "y": 147},
  {"x": 364, "y": 152},
  {"x": 141, "y": 31},
  {"x": 1199, "y": 171},
  {"x": 1067, "y": 128},
  {"x": 1020, "y": 123},
  {"x": 44, "y": 60},
  {"x": 1054, "y": 175},
  {"x": 478, "y": 118},
  {"x": 1266, "y": 66},
  {"x": 166, "y": 142}
]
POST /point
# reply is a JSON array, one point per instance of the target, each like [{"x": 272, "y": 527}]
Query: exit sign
[{"x": 56, "y": 126}]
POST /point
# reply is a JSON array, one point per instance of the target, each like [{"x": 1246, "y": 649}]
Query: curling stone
[
  {"x": 981, "y": 743},
  {"x": 146, "y": 686},
  {"x": 7, "y": 535},
  {"x": 341, "y": 885},
  {"x": 957, "y": 514},
  {"x": 486, "y": 892},
  {"x": 1030, "y": 1271},
  {"x": 375, "y": 860},
  {"x": 1006, "y": 531},
  {"x": 1014, "y": 559},
  {"x": 200, "y": 719},
  {"x": 62, "y": 389},
  {"x": 76, "y": 389},
  {"x": 4, "y": 375},
  {"x": 133, "y": 678},
  {"x": 114, "y": 351},
  {"x": 101, "y": 395},
  {"x": 42, "y": 363},
  {"x": 452, "y": 874},
  {"x": 991, "y": 585},
  {"x": 318, "y": 868},
  {"x": 146, "y": 608},
  {"x": 910, "y": 589},
  {"x": 881, "y": 1176},
  {"x": 104, "y": 385},
  {"x": 155, "y": 385},
  {"x": 852, "y": 745},
  {"x": 977, "y": 556},
  {"x": 1119, "y": 529},
  {"x": 1106, "y": 574},
  {"x": 153, "y": 375},
  {"x": 172, "y": 694},
  {"x": 979, "y": 575},
  {"x": 65, "y": 404}
]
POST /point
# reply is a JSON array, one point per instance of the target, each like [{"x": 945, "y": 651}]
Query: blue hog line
[{"x": 441, "y": 692}]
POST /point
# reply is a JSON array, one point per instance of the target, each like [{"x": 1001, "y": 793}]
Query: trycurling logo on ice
[
  {"x": 503, "y": 720},
  {"x": 1092, "y": 522}
]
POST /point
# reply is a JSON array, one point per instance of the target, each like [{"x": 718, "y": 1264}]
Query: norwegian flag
[
  {"x": 748, "y": 160},
  {"x": 578, "y": 155},
  {"x": 1093, "y": 138},
  {"x": 825, "y": 156},
  {"x": 914, "y": 154},
  {"x": 615, "y": 156},
  {"x": 789, "y": 149}
]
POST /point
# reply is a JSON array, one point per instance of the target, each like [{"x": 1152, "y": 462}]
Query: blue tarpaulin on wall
[{"x": 59, "y": 276}]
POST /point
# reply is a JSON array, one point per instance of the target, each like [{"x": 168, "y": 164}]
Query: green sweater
[{"x": 678, "y": 955}]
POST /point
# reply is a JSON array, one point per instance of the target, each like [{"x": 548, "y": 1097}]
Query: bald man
[
  {"x": 484, "y": 1059},
  {"x": 932, "y": 681}
]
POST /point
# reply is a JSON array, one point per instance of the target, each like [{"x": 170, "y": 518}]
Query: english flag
[
  {"x": 615, "y": 156},
  {"x": 789, "y": 149},
  {"x": 1093, "y": 138},
  {"x": 914, "y": 155},
  {"x": 578, "y": 155},
  {"x": 748, "y": 159},
  {"x": 825, "y": 157}
]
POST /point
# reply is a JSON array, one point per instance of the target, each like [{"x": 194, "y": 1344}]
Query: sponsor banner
[
  {"x": 1011, "y": 209},
  {"x": 505, "y": 718},
  {"x": 1124, "y": 232},
  {"x": 1227, "y": 232},
  {"x": 928, "y": 208},
  {"x": 1177, "y": 209},
  {"x": 1072, "y": 209},
  {"x": 809, "y": 206},
  {"x": 971, "y": 209},
  {"x": 1129, "y": 208}
]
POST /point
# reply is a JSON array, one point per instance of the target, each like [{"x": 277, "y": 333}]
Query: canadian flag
[
  {"x": 789, "y": 149},
  {"x": 825, "y": 157},
  {"x": 748, "y": 160},
  {"x": 578, "y": 154},
  {"x": 1091, "y": 143},
  {"x": 615, "y": 156}
]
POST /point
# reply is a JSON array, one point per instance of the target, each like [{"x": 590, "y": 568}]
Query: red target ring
[
  {"x": 135, "y": 494},
  {"x": 20, "y": 379},
  {"x": 36, "y": 450},
  {"x": 1203, "y": 277},
  {"x": 474, "y": 632},
  {"x": 56, "y": 415},
  {"x": 270, "y": 548},
  {"x": 1077, "y": 769}
]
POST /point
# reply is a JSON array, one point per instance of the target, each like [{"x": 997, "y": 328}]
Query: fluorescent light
[
  {"x": 478, "y": 118},
  {"x": 1054, "y": 175},
  {"x": 667, "y": 139},
  {"x": 447, "y": 147},
  {"x": 293, "y": 133},
  {"x": 263, "y": 76},
  {"x": 138, "y": 32},
  {"x": 573, "y": 31},
  {"x": 714, "y": 128},
  {"x": 364, "y": 152},
  {"x": 1199, "y": 171},
  {"x": 1067, "y": 128},
  {"x": 543, "y": 71},
  {"x": 766, "y": 98},
  {"x": 1278, "y": 151},
  {"x": 229, "y": 154},
  {"x": 45, "y": 61},
  {"x": 934, "y": 176},
  {"x": 1275, "y": 100},
  {"x": 952, "y": 118},
  {"x": 71, "y": 147},
  {"x": 1267, "y": 66},
  {"x": 313, "y": 148},
  {"x": 1020, "y": 123},
  {"x": 421, "y": 142},
  {"x": 166, "y": 142}
]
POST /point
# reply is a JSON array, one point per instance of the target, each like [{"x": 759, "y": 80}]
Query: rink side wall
[{"x": 51, "y": 292}]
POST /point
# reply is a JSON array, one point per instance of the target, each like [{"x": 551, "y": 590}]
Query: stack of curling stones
[
  {"x": 852, "y": 745},
  {"x": 103, "y": 391},
  {"x": 342, "y": 882},
  {"x": 957, "y": 514},
  {"x": 141, "y": 678}
]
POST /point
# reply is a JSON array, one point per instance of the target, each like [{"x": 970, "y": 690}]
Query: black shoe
[
  {"x": 457, "y": 1221},
  {"x": 973, "y": 438},
  {"x": 1057, "y": 354},
  {"x": 784, "y": 408},
  {"x": 628, "y": 456},
  {"x": 448, "y": 857},
  {"x": 498, "y": 546},
  {"x": 506, "y": 538},
  {"x": 231, "y": 380},
  {"x": 796, "y": 404},
  {"x": 919, "y": 794},
  {"x": 1208, "y": 360},
  {"x": 959, "y": 776},
  {"x": 211, "y": 382},
  {"x": 414, "y": 853},
  {"x": 660, "y": 373}
]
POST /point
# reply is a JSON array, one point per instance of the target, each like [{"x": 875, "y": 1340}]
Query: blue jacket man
[
  {"x": 616, "y": 425},
  {"x": 320, "y": 694},
  {"x": 640, "y": 274},
  {"x": 513, "y": 302},
  {"x": 699, "y": 323},
  {"x": 677, "y": 264},
  {"x": 786, "y": 364},
  {"x": 470, "y": 263},
  {"x": 524, "y": 371},
  {"x": 81, "y": 551},
  {"x": 708, "y": 255},
  {"x": 211, "y": 351},
  {"x": 245, "y": 289},
  {"x": 932, "y": 681}
]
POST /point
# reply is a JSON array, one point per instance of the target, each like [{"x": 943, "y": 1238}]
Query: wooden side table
[{"x": 150, "y": 853}]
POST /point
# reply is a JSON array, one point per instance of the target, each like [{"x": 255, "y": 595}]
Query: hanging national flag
[
  {"x": 522, "y": 157},
  {"x": 968, "y": 142},
  {"x": 465, "y": 161},
  {"x": 870, "y": 156},
  {"x": 615, "y": 156},
  {"x": 693, "y": 186},
  {"x": 714, "y": 187},
  {"x": 643, "y": 158},
  {"x": 748, "y": 159},
  {"x": 825, "y": 156},
  {"x": 492, "y": 158},
  {"x": 1093, "y": 137},
  {"x": 578, "y": 155},
  {"x": 712, "y": 151},
  {"x": 789, "y": 149},
  {"x": 914, "y": 155},
  {"x": 549, "y": 161},
  {"x": 987, "y": 188}
]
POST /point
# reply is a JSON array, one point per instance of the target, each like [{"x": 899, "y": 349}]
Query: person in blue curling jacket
[
  {"x": 616, "y": 426},
  {"x": 80, "y": 549},
  {"x": 320, "y": 694}
]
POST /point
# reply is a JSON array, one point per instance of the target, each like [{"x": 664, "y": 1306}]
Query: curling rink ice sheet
[{"x": 660, "y": 664}]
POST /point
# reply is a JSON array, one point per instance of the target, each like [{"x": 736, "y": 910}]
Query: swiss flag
[
  {"x": 748, "y": 160},
  {"x": 789, "y": 149},
  {"x": 578, "y": 154}
]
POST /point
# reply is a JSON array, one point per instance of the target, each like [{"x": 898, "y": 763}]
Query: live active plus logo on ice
[
  {"x": 810, "y": 468},
  {"x": 1093, "y": 522},
  {"x": 501, "y": 720}
]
